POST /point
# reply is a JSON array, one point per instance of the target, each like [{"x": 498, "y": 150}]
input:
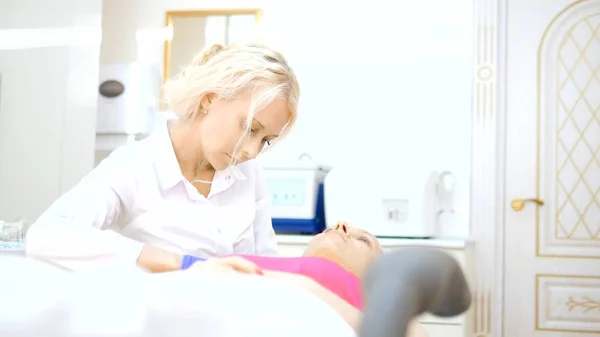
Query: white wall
[
  {"x": 383, "y": 88},
  {"x": 49, "y": 55}
]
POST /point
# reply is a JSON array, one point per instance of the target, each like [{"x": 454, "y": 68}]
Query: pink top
[{"x": 329, "y": 274}]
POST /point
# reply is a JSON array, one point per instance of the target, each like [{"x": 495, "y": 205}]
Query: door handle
[{"x": 519, "y": 204}]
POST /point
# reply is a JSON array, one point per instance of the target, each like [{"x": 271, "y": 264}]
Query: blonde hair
[{"x": 232, "y": 71}]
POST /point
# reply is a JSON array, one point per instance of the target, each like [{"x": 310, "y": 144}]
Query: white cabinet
[
  {"x": 49, "y": 61},
  {"x": 294, "y": 245}
]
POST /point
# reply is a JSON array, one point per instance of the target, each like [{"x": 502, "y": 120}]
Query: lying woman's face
[{"x": 351, "y": 248}]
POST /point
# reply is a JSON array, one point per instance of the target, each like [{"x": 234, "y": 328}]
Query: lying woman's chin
[{"x": 326, "y": 250}]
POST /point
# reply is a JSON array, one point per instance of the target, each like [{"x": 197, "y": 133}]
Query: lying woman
[{"x": 331, "y": 268}]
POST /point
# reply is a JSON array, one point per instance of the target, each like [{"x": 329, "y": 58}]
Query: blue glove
[{"x": 189, "y": 260}]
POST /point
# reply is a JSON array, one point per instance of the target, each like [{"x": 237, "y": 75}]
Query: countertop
[
  {"x": 449, "y": 243},
  {"x": 301, "y": 240}
]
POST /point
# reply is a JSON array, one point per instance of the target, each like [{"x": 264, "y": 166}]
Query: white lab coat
[{"x": 138, "y": 196}]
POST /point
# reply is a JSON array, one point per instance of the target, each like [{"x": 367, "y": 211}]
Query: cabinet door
[{"x": 48, "y": 85}]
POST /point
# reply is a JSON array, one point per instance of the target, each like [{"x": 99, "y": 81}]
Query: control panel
[{"x": 287, "y": 192}]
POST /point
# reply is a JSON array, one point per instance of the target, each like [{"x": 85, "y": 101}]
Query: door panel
[
  {"x": 552, "y": 249},
  {"x": 569, "y": 146}
]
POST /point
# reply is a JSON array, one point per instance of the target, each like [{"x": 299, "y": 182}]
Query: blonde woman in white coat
[{"x": 192, "y": 189}]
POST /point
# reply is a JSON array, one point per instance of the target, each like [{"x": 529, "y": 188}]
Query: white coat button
[{"x": 227, "y": 178}]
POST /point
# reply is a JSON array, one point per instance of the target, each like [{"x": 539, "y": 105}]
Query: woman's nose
[
  {"x": 251, "y": 150},
  {"x": 342, "y": 226}
]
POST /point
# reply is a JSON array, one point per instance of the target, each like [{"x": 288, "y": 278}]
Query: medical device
[
  {"x": 422, "y": 279},
  {"x": 297, "y": 196},
  {"x": 390, "y": 204}
]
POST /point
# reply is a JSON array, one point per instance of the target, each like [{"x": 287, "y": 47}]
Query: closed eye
[{"x": 365, "y": 240}]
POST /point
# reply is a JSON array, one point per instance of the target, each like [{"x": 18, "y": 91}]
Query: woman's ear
[{"x": 206, "y": 101}]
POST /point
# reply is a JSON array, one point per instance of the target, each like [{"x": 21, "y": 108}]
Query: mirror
[{"x": 191, "y": 31}]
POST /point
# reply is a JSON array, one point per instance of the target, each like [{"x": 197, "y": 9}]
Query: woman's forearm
[{"x": 158, "y": 260}]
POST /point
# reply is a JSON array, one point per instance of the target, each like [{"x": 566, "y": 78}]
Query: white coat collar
[{"x": 169, "y": 171}]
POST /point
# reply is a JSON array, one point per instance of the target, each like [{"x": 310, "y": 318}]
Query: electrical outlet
[{"x": 395, "y": 210}]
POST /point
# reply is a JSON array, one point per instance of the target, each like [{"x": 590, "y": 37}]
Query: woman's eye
[{"x": 365, "y": 240}]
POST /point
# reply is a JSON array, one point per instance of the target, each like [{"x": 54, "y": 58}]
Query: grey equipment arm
[{"x": 404, "y": 284}]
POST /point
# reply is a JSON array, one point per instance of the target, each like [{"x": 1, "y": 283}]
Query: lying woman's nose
[{"x": 342, "y": 226}]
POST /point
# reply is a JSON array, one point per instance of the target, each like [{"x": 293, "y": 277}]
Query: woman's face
[
  {"x": 352, "y": 248},
  {"x": 223, "y": 126}
]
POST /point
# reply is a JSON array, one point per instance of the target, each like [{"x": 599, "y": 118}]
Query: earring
[{"x": 205, "y": 111}]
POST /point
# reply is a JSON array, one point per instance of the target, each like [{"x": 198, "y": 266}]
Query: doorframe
[{"x": 488, "y": 169}]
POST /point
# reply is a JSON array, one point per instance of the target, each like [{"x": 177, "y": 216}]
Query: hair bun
[{"x": 207, "y": 53}]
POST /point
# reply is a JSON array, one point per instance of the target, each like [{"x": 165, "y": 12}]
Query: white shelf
[{"x": 385, "y": 242}]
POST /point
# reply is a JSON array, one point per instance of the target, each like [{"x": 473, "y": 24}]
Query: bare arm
[{"x": 156, "y": 260}]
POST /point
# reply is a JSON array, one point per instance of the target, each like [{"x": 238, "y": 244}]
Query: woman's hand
[{"x": 230, "y": 264}]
